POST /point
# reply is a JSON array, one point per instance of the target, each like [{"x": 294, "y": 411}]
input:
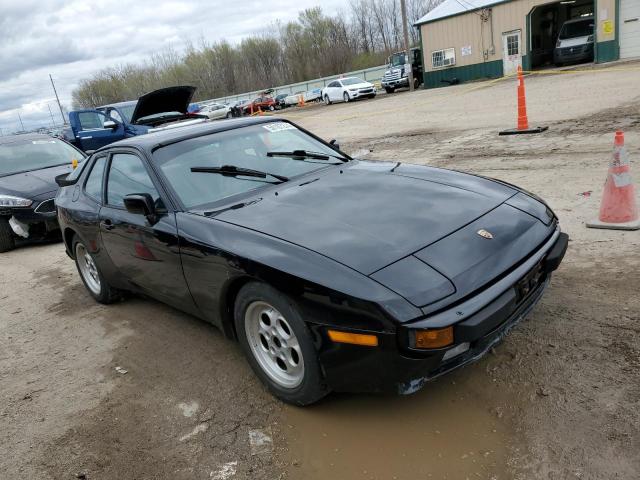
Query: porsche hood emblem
[{"x": 485, "y": 234}]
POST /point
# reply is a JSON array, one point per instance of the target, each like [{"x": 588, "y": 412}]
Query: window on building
[
  {"x": 443, "y": 58},
  {"x": 512, "y": 44}
]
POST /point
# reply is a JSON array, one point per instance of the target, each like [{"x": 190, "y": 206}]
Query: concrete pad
[{"x": 635, "y": 225}]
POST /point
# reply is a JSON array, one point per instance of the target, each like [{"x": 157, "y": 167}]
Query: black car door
[{"x": 144, "y": 251}]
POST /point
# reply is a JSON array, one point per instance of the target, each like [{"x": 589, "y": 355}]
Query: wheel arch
[
  {"x": 67, "y": 236},
  {"x": 227, "y": 303}
]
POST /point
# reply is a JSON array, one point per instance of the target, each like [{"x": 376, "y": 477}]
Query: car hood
[
  {"x": 32, "y": 184},
  {"x": 359, "y": 85},
  {"x": 170, "y": 99},
  {"x": 368, "y": 215},
  {"x": 573, "y": 42}
]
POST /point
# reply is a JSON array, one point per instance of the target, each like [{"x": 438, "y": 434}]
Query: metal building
[{"x": 470, "y": 39}]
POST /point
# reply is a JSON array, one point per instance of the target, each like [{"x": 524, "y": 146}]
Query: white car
[
  {"x": 293, "y": 99},
  {"x": 215, "y": 111},
  {"x": 347, "y": 89}
]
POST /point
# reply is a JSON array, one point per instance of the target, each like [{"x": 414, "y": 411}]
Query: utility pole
[
  {"x": 405, "y": 29},
  {"x": 53, "y": 123},
  {"x": 57, "y": 99},
  {"x": 21, "y": 124}
]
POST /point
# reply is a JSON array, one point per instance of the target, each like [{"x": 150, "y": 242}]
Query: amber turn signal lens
[
  {"x": 353, "y": 338},
  {"x": 434, "y": 338}
]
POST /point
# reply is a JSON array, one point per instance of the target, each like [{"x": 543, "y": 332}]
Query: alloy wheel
[
  {"x": 88, "y": 269},
  {"x": 274, "y": 344}
]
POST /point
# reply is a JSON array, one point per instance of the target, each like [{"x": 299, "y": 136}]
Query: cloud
[{"x": 73, "y": 39}]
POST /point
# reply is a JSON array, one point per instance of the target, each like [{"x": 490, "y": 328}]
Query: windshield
[
  {"x": 24, "y": 155},
  {"x": 245, "y": 147},
  {"x": 352, "y": 81},
  {"x": 127, "y": 111},
  {"x": 397, "y": 59},
  {"x": 577, "y": 29}
]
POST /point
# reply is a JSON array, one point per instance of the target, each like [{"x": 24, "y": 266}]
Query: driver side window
[
  {"x": 92, "y": 120},
  {"x": 128, "y": 175}
]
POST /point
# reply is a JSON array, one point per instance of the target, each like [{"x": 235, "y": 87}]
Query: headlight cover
[{"x": 11, "y": 201}]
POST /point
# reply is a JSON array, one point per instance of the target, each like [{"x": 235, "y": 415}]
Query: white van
[{"x": 575, "y": 41}]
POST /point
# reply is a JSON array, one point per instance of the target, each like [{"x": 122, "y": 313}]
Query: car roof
[
  {"x": 24, "y": 136},
  {"x": 150, "y": 141}
]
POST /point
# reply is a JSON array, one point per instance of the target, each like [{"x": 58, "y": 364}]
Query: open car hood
[{"x": 170, "y": 99}]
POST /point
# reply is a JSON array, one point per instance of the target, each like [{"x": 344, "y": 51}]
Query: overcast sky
[{"x": 72, "y": 39}]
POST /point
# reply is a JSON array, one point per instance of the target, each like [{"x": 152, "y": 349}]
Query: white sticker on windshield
[
  {"x": 41, "y": 142},
  {"x": 279, "y": 126}
]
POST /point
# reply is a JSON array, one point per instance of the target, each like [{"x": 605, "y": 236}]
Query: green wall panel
[
  {"x": 606, "y": 51},
  {"x": 434, "y": 79}
]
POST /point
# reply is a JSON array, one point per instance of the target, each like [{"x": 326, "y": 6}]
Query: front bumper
[
  {"x": 573, "y": 54},
  {"x": 394, "y": 368},
  {"x": 399, "y": 83},
  {"x": 359, "y": 94},
  {"x": 40, "y": 218}
]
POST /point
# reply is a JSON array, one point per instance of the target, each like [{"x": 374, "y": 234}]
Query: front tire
[
  {"x": 345, "y": 97},
  {"x": 326, "y": 100},
  {"x": 91, "y": 276},
  {"x": 278, "y": 344},
  {"x": 389, "y": 90},
  {"x": 7, "y": 240}
]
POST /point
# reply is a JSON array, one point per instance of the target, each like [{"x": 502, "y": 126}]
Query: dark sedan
[
  {"x": 29, "y": 165},
  {"x": 332, "y": 273}
]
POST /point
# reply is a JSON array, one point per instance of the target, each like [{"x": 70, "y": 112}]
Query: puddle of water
[{"x": 444, "y": 431}]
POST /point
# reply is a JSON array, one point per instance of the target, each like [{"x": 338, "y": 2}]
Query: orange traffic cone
[
  {"x": 523, "y": 120},
  {"x": 619, "y": 208}
]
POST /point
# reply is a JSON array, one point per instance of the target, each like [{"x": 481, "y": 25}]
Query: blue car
[{"x": 91, "y": 129}]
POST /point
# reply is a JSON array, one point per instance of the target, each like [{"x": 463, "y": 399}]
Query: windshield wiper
[
  {"x": 233, "y": 171},
  {"x": 304, "y": 154}
]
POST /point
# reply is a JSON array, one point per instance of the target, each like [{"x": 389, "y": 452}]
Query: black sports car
[
  {"x": 29, "y": 165},
  {"x": 332, "y": 273}
]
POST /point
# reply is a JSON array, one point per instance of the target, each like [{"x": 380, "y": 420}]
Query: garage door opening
[{"x": 562, "y": 33}]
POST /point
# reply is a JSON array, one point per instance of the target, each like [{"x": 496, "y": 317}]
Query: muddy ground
[{"x": 560, "y": 398}]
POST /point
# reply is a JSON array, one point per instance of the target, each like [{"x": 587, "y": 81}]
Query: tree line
[{"x": 316, "y": 45}]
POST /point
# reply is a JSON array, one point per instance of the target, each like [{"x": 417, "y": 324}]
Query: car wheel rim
[
  {"x": 88, "y": 269},
  {"x": 326, "y": 100},
  {"x": 274, "y": 344}
]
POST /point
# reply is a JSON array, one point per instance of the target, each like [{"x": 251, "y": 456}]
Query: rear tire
[
  {"x": 7, "y": 240},
  {"x": 91, "y": 276},
  {"x": 278, "y": 345}
]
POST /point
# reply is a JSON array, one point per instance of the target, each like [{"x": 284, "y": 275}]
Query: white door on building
[
  {"x": 511, "y": 51},
  {"x": 629, "y": 28}
]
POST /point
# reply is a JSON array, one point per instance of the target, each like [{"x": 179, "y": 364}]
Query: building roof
[{"x": 450, "y": 8}]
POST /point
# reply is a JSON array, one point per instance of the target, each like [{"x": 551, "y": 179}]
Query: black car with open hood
[
  {"x": 162, "y": 103},
  {"x": 332, "y": 273}
]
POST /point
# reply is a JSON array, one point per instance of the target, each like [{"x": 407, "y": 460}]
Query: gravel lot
[{"x": 558, "y": 399}]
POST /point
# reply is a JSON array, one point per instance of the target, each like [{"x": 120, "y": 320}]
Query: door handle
[{"x": 107, "y": 224}]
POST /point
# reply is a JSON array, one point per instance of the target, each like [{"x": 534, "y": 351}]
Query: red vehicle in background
[{"x": 262, "y": 103}]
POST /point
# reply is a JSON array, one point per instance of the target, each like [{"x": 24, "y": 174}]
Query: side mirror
[
  {"x": 335, "y": 144},
  {"x": 110, "y": 124},
  {"x": 62, "y": 181},
  {"x": 140, "y": 204}
]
